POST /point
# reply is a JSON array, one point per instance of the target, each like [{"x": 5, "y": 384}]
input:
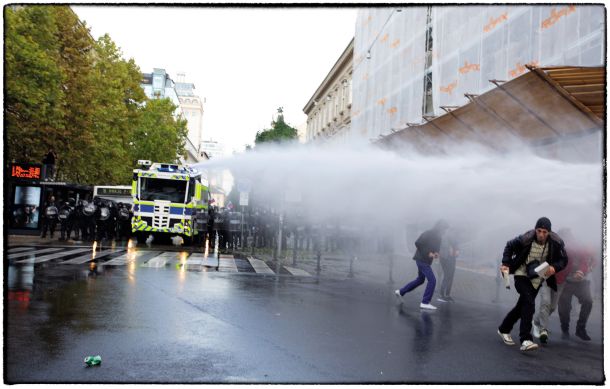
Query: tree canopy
[
  {"x": 68, "y": 91},
  {"x": 278, "y": 133}
]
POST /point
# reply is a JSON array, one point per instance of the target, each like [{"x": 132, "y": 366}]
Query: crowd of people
[
  {"x": 551, "y": 264},
  {"x": 86, "y": 220}
]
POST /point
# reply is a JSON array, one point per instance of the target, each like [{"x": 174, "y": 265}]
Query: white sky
[{"x": 246, "y": 62}]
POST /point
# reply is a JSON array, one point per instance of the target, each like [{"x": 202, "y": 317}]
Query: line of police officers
[
  {"x": 88, "y": 220},
  {"x": 261, "y": 226},
  {"x": 105, "y": 219}
]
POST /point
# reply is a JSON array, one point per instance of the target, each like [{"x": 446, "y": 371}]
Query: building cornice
[{"x": 344, "y": 60}]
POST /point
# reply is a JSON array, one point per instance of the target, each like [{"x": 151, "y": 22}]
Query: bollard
[
  {"x": 294, "y": 251},
  {"x": 391, "y": 279},
  {"x": 351, "y": 266}
]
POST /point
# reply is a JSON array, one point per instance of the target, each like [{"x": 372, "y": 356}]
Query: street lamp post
[{"x": 279, "y": 243}]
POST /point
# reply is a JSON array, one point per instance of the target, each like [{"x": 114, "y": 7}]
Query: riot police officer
[
  {"x": 219, "y": 221},
  {"x": 66, "y": 219},
  {"x": 89, "y": 211},
  {"x": 49, "y": 220},
  {"x": 211, "y": 232},
  {"x": 123, "y": 221},
  {"x": 102, "y": 218},
  {"x": 79, "y": 221}
]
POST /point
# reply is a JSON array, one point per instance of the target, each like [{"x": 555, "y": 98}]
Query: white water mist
[{"x": 487, "y": 197}]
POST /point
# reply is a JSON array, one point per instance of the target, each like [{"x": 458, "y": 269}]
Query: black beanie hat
[{"x": 544, "y": 222}]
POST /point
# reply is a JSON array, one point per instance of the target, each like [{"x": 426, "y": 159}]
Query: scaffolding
[{"x": 411, "y": 63}]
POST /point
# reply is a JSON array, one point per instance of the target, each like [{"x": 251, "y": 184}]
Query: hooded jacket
[
  {"x": 428, "y": 242},
  {"x": 518, "y": 249}
]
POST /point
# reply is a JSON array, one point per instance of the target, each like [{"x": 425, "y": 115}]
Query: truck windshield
[{"x": 160, "y": 189}]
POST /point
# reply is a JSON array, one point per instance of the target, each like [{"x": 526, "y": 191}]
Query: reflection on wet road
[
  {"x": 167, "y": 315},
  {"x": 160, "y": 257}
]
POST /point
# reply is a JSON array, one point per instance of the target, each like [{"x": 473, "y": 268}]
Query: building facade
[
  {"x": 414, "y": 63},
  {"x": 159, "y": 85},
  {"x": 192, "y": 110},
  {"x": 329, "y": 109}
]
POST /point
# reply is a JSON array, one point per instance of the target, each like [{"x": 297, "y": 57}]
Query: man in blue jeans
[{"x": 428, "y": 245}]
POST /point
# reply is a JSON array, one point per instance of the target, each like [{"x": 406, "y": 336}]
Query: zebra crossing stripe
[
  {"x": 89, "y": 257},
  {"x": 194, "y": 261},
  {"x": 260, "y": 266},
  {"x": 227, "y": 264},
  {"x": 130, "y": 257},
  {"x": 211, "y": 261},
  {"x": 49, "y": 257},
  {"x": 297, "y": 272},
  {"x": 17, "y": 249},
  {"x": 25, "y": 254},
  {"x": 162, "y": 259}
]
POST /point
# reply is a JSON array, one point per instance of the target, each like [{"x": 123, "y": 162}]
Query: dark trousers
[
  {"x": 50, "y": 225},
  {"x": 424, "y": 272},
  {"x": 582, "y": 291},
  {"x": 66, "y": 230},
  {"x": 448, "y": 265},
  {"x": 524, "y": 310}
]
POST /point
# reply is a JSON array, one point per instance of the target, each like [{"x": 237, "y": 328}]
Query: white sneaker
[
  {"x": 442, "y": 299},
  {"x": 398, "y": 296},
  {"x": 528, "y": 345},
  {"x": 506, "y": 338},
  {"x": 427, "y": 306}
]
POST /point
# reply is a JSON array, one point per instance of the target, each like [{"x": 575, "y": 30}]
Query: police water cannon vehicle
[{"x": 168, "y": 200}]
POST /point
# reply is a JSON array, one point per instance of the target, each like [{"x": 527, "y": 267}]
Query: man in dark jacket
[
  {"x": 521, "y": 255},
  {"x": 428, "y": 245}
]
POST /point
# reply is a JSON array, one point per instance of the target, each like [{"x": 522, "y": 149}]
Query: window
[
  {"x": 157, "y": 81},
  {"x": 162, "y": 189},
  {"x": 336, "y": 102}
]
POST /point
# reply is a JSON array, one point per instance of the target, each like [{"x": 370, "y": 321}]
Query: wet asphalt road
[{"x": 181, "y": 324}]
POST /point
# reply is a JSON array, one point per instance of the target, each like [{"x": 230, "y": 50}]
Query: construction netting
[{"x": 409, "y": 62}]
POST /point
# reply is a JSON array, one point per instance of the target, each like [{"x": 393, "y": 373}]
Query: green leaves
[
  {"x": 158, "y": 136},
  {"x": 280, "y": 132},
  {"x": 66, "y": 90}
]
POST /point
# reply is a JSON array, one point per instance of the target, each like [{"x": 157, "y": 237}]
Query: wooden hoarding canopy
[{"x": 545, "y": 106}]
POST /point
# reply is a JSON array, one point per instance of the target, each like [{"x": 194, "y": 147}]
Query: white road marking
[
  {"x": 297, "y": 272},
  {"x": 17, "y": 249},
  {"x": 49, "y": 250},
  {"x": 227, "y": 264},
  {"x": 260, "y": 266},
  {"x": 89, "y": 257},
  {"x": 162, "y": 259},
  {"x": 49, "y": 257}
]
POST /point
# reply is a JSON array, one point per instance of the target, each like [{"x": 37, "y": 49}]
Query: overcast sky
[{"x": 246, "y": 62}]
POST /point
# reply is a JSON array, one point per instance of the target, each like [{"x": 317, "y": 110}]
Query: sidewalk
[{"x": 471, "y": 282}]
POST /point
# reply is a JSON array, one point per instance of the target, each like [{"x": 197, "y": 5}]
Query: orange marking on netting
[
  {"x": 392, "y": 110},
  {"x": 382, "y": 101},
  {"x": 449, "y": 88},
  {"x": 395, "y": 43},
  {"x": 469, "y": 67},
  {"x": 494, "y": 22},
  {"x": 520, "y": 69},
  {"x": 555, "y": 16},
  {"x": 385, "y": 37}
]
